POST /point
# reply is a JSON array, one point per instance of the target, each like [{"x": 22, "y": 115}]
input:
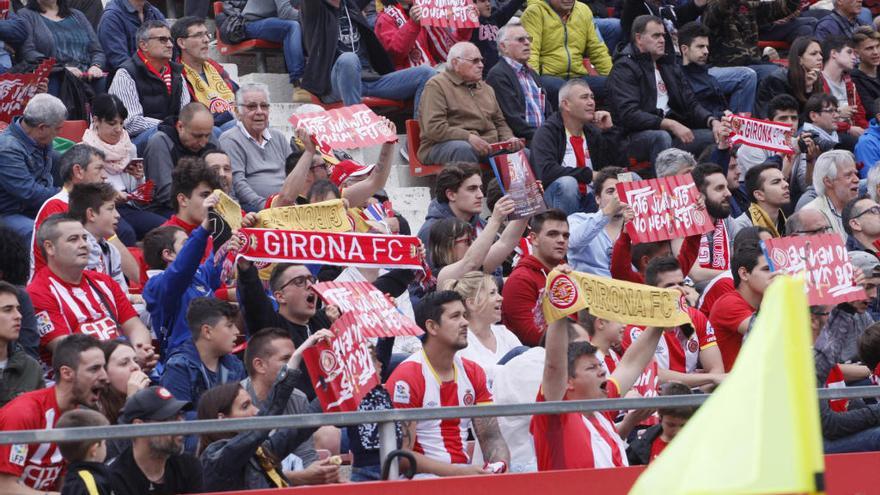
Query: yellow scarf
[
  {"x": 760, "y": 218},
  {"x": 213, "y": 93},
  {"x": 270, "y": 467}
]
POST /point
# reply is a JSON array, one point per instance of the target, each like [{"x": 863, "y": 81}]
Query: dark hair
[
  {"x": 322, "y": 188},
  {"x": 578, "y": 349},
  {"x": 603, "y": 175},
  {"x": 640, "y": 24},
  {"x": 48, "y": 230},
  {"x": 190, "y": 110},
  {"x": 213, "y": 402},
  {"x": 689, "y": 32},
  {"x": 80, "y": 154},
  {"x": 213, "y": 151},
  {"x": 749, "y": 235},
  {"x": 781, "y": 102},
  {"x": 754, "y": 181},
  {"x": 63, "y": 7},
  {"x": 834, "y": 44},
  {"x": 816, "y": 103},
  {"x": 156, "y": 241},
  {"x": 797, "y": 76},
  {"x": 656, "y": 266},
  {"x": 676, "y": 388},
  {"x": 493, "y": 193},
  {"x": 7, "y": 288},
  {"x": 703, "y": 170},
  {"x": 68, "y": 351},
  {"x": 259, "y": 344},
  {"x": 77, "y": 418},
  {"x": 84, "y": 197},
  {"x": 869, "y": 346},
  {"x": 747, "y": 256},
  {"x": 431, "y": 306},
  {"x": 207, "y": 311},
  {"x": 452, "y": 177},
  {"x": 553, "y": 214},
  {"x": 188, "y": 174},
  {"x": 441, "y": 240},
  {"x": 649, "y": 249},
  {"x": 108, "y": 107},
  {"x": 180, "y": 28},
  {"x": 112, "y": 400},
  {"x": 277, "y": 271},
  {"x": 848, "y": 212},
  {"x": 14, "y": 257}
]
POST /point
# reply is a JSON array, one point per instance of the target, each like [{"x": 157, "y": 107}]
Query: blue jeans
[
  {"x": 564, "y": 194},
  {"x": 553, "y": 84},
  {"x": 764, "y": 71},
  {"x": 452, "y": 151},
  {"x": 740, "y": 84},
  {"x": 366, "y": 473},
  {"x": 788, "y": 31},
  {"x": 610, "y": 31},
  {"x": 289, "y": 34},
  {"x": 863, "y": 441},
  {"x": 21, "y": 224},
  {"x": 142, "y": 221},
  {"x": 346, "y": 83}
]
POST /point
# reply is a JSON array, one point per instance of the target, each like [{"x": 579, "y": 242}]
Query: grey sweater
[
  {"x": 255, "y": 10},
  {"x": 257, "y": 172}
]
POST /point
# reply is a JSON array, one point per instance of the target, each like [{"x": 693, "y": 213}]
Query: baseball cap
[
  {"x": 867, "y": 262},
  {"x": 348, "y": 168},
  {"x": 152, "y": 404}
]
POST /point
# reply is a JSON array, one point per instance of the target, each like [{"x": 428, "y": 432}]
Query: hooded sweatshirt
[
  {"x": 163, "y": 151},
  {"x": 521, "y": 295},
  {"x": 868, "y": 149},
  {"x": 438, "y": 211},
  {"x": 22, "y": 374}
]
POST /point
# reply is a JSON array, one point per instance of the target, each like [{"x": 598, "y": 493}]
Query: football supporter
[
  {"x": 457, "y": 192},
  {"x": 673, "y": 161},
  {"x": 155, "y": 464},
  {"x": 836, "y": 180},
  {"x": 219, "y": 161},
  {"x": 733, "y": 314},
  {"x": 572, "y": 371},
  {"x": 807, "y": 222},
  {"x": 94, "y": 206},
  {"x": 86, "y": 472},
  {"x": 437, "y": 376},
  {"x": 593, "y": 234},
  {"x": 625, "y": 257},
  {"x": 840, "y": 60},
  {"x": 723, "y": 282},
  {"x": 652, "y": 441},
  {"x": 191, "y": 184},
  {"x": 713, "y": 257},
  {"x": 21, "y": 373},
  {"x": 605, "y": 336},
  {"x": 769, "y": 193},
  {"x": 34, "y": 469},
  {"x": 68, "y": 299},
  {"x": 549, "y": 241},
  {"x": 861, "y": 221}
]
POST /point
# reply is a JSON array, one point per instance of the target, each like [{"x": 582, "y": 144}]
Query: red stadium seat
[
  {"x": 376, "y": 104},
  {"x": 257, "y": 48},
  {"x": 413, "y": 140},
  {"x": 779, "y": 45},
  {"x": 73, "y": 130}
]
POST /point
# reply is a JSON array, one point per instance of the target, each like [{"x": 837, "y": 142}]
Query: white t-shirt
[
  {"x": 505, "y": 340},
  {"x": 838, "y": 91},
  {"x": 662, "y": 94},
  {"x": 517, "y": 382}
]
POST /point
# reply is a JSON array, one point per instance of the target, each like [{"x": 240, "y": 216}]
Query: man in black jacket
[
  {"x": 652, "y": 101},
  {"x": 347, "y": 61},
  {"x": 570, "y": 145},
  {"x": 517, "y": 86}
]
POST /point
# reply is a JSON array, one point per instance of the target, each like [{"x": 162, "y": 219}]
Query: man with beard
[
  {"x": 769, "y": 193},
  {"x": 80, "y": 377},
  {"x": 155, "y": 464},
  {"x": 715, "y": 245},
  {"x": 836, "y": 181},
  {"x": 438, "y": 377}
]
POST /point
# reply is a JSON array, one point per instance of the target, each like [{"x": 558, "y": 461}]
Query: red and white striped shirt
[
  {"x": 56, "y": 204},
  {"x": 675, "y": 351},
  {"x": 35, "y": 465},
  {"x": 62, "y": 308},
  {"x": 415, "y": 384}
]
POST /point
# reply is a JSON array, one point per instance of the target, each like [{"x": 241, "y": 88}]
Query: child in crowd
[{"x": 86, "y": 472}]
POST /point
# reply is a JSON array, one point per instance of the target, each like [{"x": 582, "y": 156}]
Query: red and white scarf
[
  {"x": 718, "y": 256},
  {"x": 164, "y": 74},
  {"x": 417, "y": 55}
]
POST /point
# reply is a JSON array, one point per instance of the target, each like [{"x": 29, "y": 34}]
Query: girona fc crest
[
  {"x": 693, "y": 346},
  {"x": 328, "y": 362},
  {"x": 563, "y": 292}
]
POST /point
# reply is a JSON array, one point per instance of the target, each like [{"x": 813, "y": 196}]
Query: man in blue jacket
[
  {"x": 28, "y": 168},
  {"x": 868, "y": 148},
  {"x": 118, "y": 26},
  {"x": 13, "y": 32}
]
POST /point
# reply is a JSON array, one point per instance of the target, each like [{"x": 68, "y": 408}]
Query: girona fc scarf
[
  {"x": 331, "y": 248},
  {"x": 716, "y": 256},
  {"x": 213, "y": 93},
  {"x": 417, "y": 55},
  {"x": 835, "y": 380}
]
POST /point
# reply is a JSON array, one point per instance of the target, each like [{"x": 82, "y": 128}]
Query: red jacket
[
  {"x": 859, "y": 119},
  {"x": 400, "y": 42},
  {"x": 520, "y": 298},
  {"x": 621, "y": 257}
]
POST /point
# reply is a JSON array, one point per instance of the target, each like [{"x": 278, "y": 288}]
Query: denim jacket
[{"x": 26, "y": 172}]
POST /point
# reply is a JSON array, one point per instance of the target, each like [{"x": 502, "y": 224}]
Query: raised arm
[
  {"x": 295, "y": 182},
  {"x": 475, "y": 256},
  {"x": 500, "y": 251},
  {"x": 359, "y": 193},
  {"x": 636, "y": 358},
  {"x": 555, "y": 379}
]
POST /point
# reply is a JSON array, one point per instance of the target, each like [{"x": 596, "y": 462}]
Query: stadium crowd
[{"x": 119, "y": 309}]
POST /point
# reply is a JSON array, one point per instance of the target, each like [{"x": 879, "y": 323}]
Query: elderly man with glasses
[
  {"x": 836, "y": 180},
  {"x": 257, "y": 152},
  {"x": 150, "y": 84},
  {"x": 459, "y": 115}
]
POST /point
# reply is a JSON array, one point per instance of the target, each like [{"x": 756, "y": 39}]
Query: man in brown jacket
[{"x": 459, "y": 115}]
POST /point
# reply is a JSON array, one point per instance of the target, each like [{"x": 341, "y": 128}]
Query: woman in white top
[{"x": 488, "y": 340}]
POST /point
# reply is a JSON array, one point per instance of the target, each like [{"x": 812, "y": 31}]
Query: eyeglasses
[
  {"x": 161, "y": 39},
  {"x": 820, "y": 313},
  {"x": 874, "y": 210},
  {"x": 201, "y": 34},
  {"x": 252, "y": 107},
  {"x": 301, "y": 281},
  {"x": 820, "y": 230},
  {"x": 475, "y": 60},
  {"x": 830, "y": 110},
  {"x": 523, "y": 39}
]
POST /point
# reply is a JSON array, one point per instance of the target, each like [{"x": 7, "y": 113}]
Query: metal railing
[{"x": 386, "y": 418}]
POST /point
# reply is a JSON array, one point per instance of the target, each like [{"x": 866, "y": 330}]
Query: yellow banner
[
  {"x": 624, "y": 302},
  {"x": 228, "y": 209},
  {"x": 327, "y": 216}
]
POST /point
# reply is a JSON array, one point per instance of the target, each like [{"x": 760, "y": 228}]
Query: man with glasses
[
  {"x": 257, "y": 151},
  {"x": 836, "y": 181},
  {"x": 297, "y": 314},
  {"x": 861, "y": 220},
  {"x": 452, "y": 131},
  {"x": 206, "y": 80},
  {"x": 149, "y": 84},
  {"x": 517, "y": 86},
  {"x": 807, "y": 222}
]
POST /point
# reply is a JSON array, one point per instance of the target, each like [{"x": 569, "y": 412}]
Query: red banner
[
  {"x": 16, "y": 90},
  {"x": 828, "y": 272},
  {"x": 331, "y": 248},
  {"x": 516, "y": 178},
  {"x": 342, "y": 372},
  {"x": 377, "y": 316},
  {"x": 347, "y": 127},
  {"x": 664, "y": 209},
  {"x": 449, "y": 13},
  {"x": 762, "y": 134}
]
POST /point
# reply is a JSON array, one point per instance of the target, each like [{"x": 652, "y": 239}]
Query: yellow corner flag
[{"x": 759, "y": 433}]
